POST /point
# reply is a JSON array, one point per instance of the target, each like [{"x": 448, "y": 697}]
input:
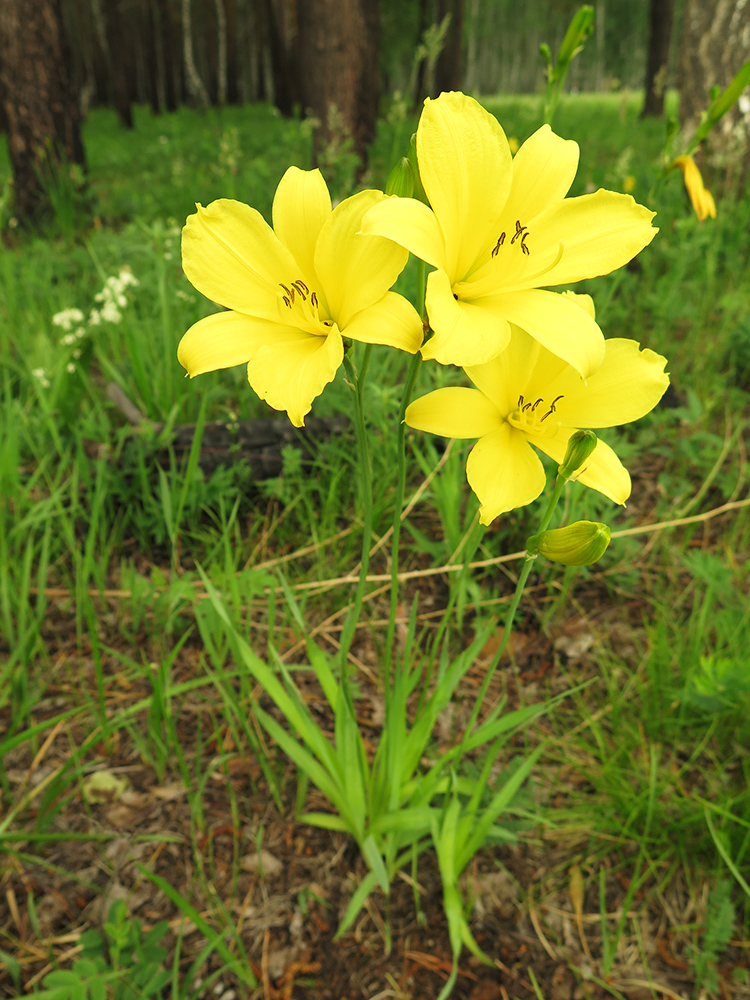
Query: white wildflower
[
  {"x": 94, "y": 318},
  {"x": 67, "y": 318},
  {"x": 77, "y": 353},
  {"x": 70, "y": 368},
  {"x": 68, "y": 339},
  {"x": 110, "y": 313}
]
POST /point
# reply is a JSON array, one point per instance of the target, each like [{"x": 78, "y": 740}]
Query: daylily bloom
[
  {"x": 292, "y": 291},
  {"x": 702, "y": 199},
  {"x": 529, "y": 396},
  {"x": 500, "y": 228}
]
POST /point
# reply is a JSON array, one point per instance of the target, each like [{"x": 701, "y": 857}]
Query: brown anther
[
  {"x": 499, "y": 243},
  {"x": 551, "y": 410},
  {"x": 288, "y": 303},
  {"x": 299, "y": 285},
  {"x": 289, "y": 293},
  {"x": 536, "y": 404},
  {"x": 314, "y": 300},
  {"x": 520, "y": 231},
  {"x": 520, "y": 402},
  {"x": 525, "y": 408},
  {"x": 302, "y": 286},
  {"x": 524, "y": 248}
]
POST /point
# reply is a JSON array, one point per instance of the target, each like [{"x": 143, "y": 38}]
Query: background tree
[
  {"x": 661, "y": 14},
  {"x": 714, "y": 45},
  {"x": 41, "y": 103}
]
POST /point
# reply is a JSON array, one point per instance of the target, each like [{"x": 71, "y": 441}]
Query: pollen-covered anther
[
  {"x": 496, "y": 248},
  {"x": 552, "y": 409},
  {"x": 521, "y": 232},
  {"x": 289, "y": 297}
]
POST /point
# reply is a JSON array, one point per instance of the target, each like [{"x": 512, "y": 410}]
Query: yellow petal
[
  {"x": 702, "y": 199},
  {"x": 290, "y": 375},
  {"x": 410, "y": 224},
  {"x": 598, "y": 232},
  {"x": 524, "y": 368},
  {"x": 629, "y": 384},
  {"x": 393, "y": 321},
  {"x": 557, "y": 323},
  {"x": 227, "y": 339},
  {"x": 232, "y": 256},
  {"x": 300, "y": 207},
  {"x": 504, "y": 472},
  {"x": 454, "y": 412},
  {"x": 466, "y": 333},
  {"x": 543, "y": 170},
  {"x": 355, "y": 270},
  {"x": 603, "y": 470},
  {"x": 466, "y": 168}
]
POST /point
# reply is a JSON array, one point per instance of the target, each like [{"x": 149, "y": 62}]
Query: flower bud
[
  {"x": 578, "y": 544},
  {"x": 580, "y": 447},
  {"x": 419, "y": 192},
  {"x": 401, "y": 179}
]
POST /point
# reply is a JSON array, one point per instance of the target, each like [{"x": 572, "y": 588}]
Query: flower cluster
[{"x": 499, "y": 233}]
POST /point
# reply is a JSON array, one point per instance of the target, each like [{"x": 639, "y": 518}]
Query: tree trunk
[
  {"x": 338, "y": 61},
  {"x": 450, "y": 64},
  {"x": 277, "y": 19},
  {"x": 660, "y": 34},
  {"x": 41, "y": 104},
  {"x": 194, "y": 83},
  {"x": 715, "y": 43}
]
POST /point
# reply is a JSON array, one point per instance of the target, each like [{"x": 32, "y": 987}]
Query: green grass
[{"x": 645, "y": 778}]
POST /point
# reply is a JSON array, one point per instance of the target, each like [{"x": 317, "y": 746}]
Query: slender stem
[
  {"x": 398, "y": 503},
  {"x": 523, "y": 577},
  {"x": 358, "y": 383}
]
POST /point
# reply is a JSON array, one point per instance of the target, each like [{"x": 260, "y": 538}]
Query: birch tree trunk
[
  {"x": 195, "y": 85},
  {"x": 221, "y": 69},
  {"x": 41, "y": 104}
]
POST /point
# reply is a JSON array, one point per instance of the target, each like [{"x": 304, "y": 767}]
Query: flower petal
[
  {"x": 227, "y": 339},
  {"x": 290, "y": 375},
  {"x": 392, "y": 321},
  {"x": 557, "y": 322},
  {"x": 300, "y": 207},
  {"x": 504, "y": 472},
  {"x": 599, "y": 232},
  {"x": 629, "y": 384},
  {"x": 355, "y": 270},
  {"x": 603, "y": 470},
  {"x": 232, "y": 256},
  {"x": 543, "y": 170},
  {"x": 454, "y": 412},
  {"x": 466, "y": 333},
  {"x": 409, "y": 223},
  {"x": 466, "y": 168}
]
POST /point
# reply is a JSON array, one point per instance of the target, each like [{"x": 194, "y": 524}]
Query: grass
[{"x": 106, "y": 669}]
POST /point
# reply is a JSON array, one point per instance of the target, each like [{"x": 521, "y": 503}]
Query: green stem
[
  {"x": 398, "y": 503},
  {"x": 523, "y": 577},
  {"x": 357, "y": 381}
]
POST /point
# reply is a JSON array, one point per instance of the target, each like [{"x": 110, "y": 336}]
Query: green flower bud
[
  {"x": 580, "y": 447},
  {"x": 401, "y": 179},
  {"x": 578, "y": 544},
  {"x": 419, "y": 192}
]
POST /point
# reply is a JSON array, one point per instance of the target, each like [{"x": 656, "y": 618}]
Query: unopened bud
[
  {"x": 578, "y": 544},
  {"x": 401, "y": 179},
  {"x": 419, "y": 192},
  {"x": 580, "y": 446}
]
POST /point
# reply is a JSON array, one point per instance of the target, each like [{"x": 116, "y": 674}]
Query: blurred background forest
[{"x": 338, "y": 63}]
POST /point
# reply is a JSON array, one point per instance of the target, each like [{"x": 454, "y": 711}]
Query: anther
[
  {"x": 289, "y": 292},
  {"x": 536, "y": 404},
  {"x": 520, "y": 231},
  {"x": 524, "y": 248},
  {"x": 551, "y": 410},
  {"x": 314, "y": 300},
  {"x": 520, "y": 402},
  {"x": 299, "y": 285},
  {"x": 525, "y": 408},
  {"x": 499, "y": 243},
  {"x": 302, "y": 286}
]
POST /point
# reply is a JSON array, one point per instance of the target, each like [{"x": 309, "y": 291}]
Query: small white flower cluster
[
  {"x": 40, "y": 374},
  {"x": 112, "y": 298}
]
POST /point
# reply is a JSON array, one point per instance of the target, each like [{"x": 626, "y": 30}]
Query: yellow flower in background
[
  {"x": 701, "y": 198},
  {"x": 628, "y": 184},
  {"x": 500, "y": 228},
  {"x": 292, "y": 291},
  {"x": 529, "y": 396}
]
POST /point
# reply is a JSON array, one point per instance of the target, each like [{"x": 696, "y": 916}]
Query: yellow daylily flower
[
  {"x": 500, "y": 228},
  {"x": 294, "y": 291},
  {"x": 701, "y": 198},
  {"x": 529, "y": 396}
]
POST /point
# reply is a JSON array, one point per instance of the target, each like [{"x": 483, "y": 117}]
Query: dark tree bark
[
  {"x": 660, "y": 33},
  {"x": 714, "y": 45},
  {"x": 450, "y": 63},
  {"x": 338, "y": 66},
  {"x": 41, "y": 104},
  {"x": 275, "y": 21}
]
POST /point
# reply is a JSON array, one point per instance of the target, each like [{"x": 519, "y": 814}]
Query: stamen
[
  {"x": 520, "y": 402},
  {"x": 301, "y": 288},
  {"x": 552, "y": 409},
  {"x": 499, "y": 243},
  {"x": 521, "y": 231},
  {"x": 289, "y": 293},
  {"x": 525, "y": 408},
  {"x": 314, "y": 300},
  {"x": 536, "y": 404}
]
